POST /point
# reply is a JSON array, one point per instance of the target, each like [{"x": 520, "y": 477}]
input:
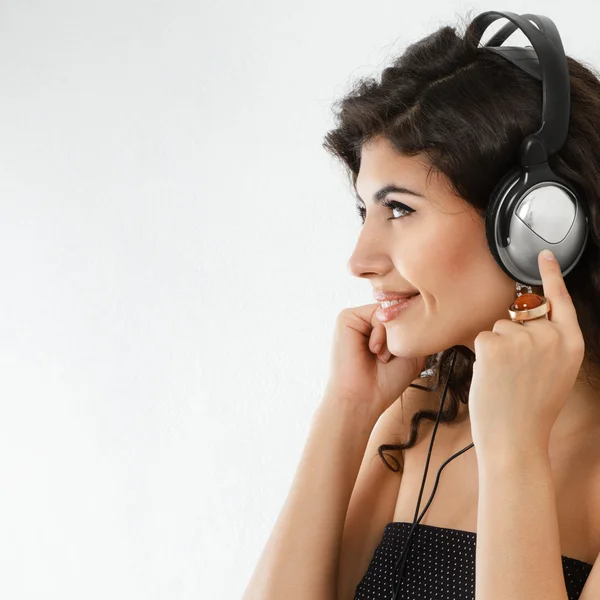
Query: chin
[{"x": 397, "y": 348}]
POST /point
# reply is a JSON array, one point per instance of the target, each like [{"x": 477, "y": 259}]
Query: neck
[{"x": 581, "y": 412}]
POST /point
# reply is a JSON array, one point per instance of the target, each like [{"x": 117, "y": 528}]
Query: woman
[{"x": 517, "y": 514}]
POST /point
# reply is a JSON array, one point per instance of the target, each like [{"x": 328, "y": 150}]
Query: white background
[{"x": 173, "y": 254}]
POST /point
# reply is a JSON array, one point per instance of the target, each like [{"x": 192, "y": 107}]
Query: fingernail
[
  {"x": 547, "y": 254},
  {"x": 377, "y": 348}
]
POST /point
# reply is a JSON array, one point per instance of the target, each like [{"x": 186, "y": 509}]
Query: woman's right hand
[{"x": 357, "y": 372}]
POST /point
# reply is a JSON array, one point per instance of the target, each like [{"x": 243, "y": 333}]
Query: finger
[
  {"x": 378, "y": 339},
  {"x": 385, "y": 355},
  {"x": 562, "y": 308}
]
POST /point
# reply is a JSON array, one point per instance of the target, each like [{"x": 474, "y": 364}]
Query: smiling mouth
[{"x": 388, "y": 303}]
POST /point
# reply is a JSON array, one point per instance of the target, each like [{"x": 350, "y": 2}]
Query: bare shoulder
[{"x": 375, "y": 492}]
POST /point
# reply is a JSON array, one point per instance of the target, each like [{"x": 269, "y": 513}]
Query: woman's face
[{"x": 438, "y": 249}]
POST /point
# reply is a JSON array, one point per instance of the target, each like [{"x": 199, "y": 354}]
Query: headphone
[{"x": 531, "y": 207}]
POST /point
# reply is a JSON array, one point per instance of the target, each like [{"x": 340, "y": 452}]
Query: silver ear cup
[{"x": 546, "y": 215}]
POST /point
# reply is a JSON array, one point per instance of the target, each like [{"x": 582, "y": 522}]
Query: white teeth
[{"x": 392, "y": 302}]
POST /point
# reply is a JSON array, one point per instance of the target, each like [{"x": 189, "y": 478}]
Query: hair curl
[{"x": 466, "y": 110}]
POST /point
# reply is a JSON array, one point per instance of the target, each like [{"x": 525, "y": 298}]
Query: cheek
[
  {"x": 452, "y": 255},
  {"x": 457, "y": 269}
]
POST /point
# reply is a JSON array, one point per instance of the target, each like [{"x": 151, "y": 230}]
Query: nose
[{"x": 367, "y": 258}]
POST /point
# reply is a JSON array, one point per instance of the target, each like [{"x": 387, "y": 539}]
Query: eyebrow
[{"x": 380, "y": 194}]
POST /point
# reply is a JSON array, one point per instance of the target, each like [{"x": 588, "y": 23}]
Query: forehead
[{"x": 381, "y": 162}]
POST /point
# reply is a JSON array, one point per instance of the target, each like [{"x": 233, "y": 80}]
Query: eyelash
[{"x": 388, "y": 204}]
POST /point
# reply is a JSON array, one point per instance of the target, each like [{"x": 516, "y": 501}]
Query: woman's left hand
[{"x": 523, "y": 374}]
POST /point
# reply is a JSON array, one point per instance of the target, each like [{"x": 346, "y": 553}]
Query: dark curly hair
[{"x": 466, "y": 110}]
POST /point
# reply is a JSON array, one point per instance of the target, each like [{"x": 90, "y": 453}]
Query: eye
[{"x": 388, "y": 204}]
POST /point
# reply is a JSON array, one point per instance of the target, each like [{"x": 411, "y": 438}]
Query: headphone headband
[
  {"x": 524, "y": 58},
  {"x": 553, "y": 68}
]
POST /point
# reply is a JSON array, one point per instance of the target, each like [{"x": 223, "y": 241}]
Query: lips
[{"x": 391, "y": 312}]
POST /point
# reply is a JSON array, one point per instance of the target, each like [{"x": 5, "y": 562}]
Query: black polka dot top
[{"x": 440, "y": 566}]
